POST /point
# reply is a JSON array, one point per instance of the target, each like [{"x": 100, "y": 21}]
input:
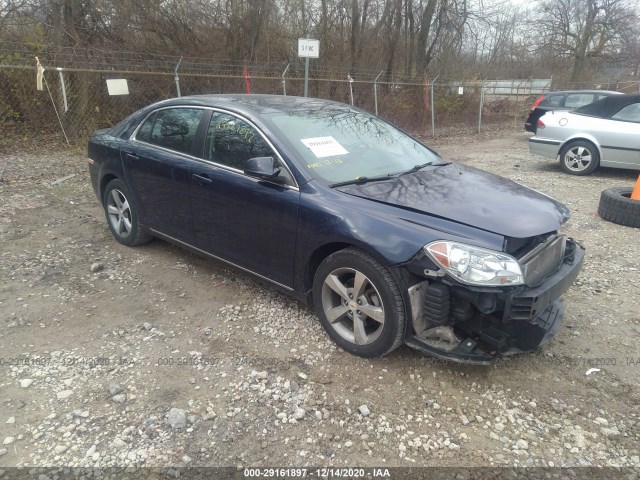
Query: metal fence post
[
  {"x": 433, "y": 113},
  {"x": 284, "y": 82},
  {"x": 177, "y": 78},
  {"x": 375, "y": 91},
  {"x": 515, "y": 110},
  {"x": 481, "y": 106},
  {"x": 63, "y": 87},
  {"x": 55, "y": 109},
  {"x": 306, "y": 73}
]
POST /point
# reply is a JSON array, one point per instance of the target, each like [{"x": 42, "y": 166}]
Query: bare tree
[
  {"x": 401, "y": 37},
  {"x": 584, "y": 29}
]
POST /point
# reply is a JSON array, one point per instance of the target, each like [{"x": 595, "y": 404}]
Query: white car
[{"x": 605, "y": 133}]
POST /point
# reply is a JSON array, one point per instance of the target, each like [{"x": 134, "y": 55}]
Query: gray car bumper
[{"x": 544, "y": 147}]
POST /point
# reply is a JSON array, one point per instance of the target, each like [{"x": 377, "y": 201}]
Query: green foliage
[{"x": 450, "y": 102}]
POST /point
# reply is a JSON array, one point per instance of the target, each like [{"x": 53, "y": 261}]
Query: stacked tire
[{"x": 617, "y": 206}]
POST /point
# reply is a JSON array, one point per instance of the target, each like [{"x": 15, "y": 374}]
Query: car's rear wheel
[
  {"x": 123, "y": 215},
  {"x": 579, "y": 158},
  {"x": 359, "y": 303}
]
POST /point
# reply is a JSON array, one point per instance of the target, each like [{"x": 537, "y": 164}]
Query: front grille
[
  {"x": 543, "y": 260},
  {"x": 519, "y": 246},
  {"x": 522, "y": 309}
]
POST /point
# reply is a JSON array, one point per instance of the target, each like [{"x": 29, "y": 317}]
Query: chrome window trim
[
  {"x": 133, "y": 138},
  {"x": 172, "y": 239}
]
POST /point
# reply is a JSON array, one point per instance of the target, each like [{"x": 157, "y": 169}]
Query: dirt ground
[{"x": 114, "y": 356}]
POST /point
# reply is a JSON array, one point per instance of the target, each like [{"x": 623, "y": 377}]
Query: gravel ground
[{"x": 113, "y": 356}]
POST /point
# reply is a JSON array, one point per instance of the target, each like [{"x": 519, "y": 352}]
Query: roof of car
[
  {"x": 608, "y": 106},
  {"x": 566, "y": 92},
  {"x": 259, "y": 104},
  {"x": 252, "y": 106}
]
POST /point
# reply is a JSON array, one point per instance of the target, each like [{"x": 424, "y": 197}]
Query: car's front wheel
[
  {"x": 123, "y": 215},
  {"x": 359, "y": 303},
  {"x": 579, "y": 158}
]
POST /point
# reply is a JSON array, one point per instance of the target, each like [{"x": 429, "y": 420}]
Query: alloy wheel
[
  {"x": 353, "y": 306},
  {"x": 578, "y": 158},
  {"x": 119, "y": 213}
]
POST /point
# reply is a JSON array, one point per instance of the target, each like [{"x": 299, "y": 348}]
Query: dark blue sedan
[{"x": 389, "y": 242}]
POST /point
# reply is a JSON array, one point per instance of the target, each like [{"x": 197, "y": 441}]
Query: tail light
[
  {"x": 536, "y": 103},
  {"x": 540, "y": 124}
]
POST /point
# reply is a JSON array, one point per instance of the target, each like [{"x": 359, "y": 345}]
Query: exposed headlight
[{"x": 474, "y": 265}]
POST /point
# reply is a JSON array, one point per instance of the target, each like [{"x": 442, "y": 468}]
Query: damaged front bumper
[{"x": 514, "y": 321}]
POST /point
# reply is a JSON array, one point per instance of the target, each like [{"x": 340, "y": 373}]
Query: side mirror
[{"x": 261, "y": 167}]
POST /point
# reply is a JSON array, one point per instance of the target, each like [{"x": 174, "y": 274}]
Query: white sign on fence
[
  {"x": 308, "y": 47},
  {"x": 117, "y": 86},
  {"x": 460, "y": 90}
]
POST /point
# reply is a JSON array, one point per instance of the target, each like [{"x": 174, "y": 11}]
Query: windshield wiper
[
  {"x": 389, "y": 176},
  {"x": 361, "y": 181},
  {"x": 417, "y": 168}
]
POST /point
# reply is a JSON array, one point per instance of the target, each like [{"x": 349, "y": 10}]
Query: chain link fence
[{"x": 75, "y": 101}]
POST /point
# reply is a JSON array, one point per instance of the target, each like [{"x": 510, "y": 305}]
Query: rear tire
[
  {"x": 579, "y": 158},
  {"x": 616, "y": 206},
  {"x": 123, "y": 214},
  {"x": 359, "y": 303}
]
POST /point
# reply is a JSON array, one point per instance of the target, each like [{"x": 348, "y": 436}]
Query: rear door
[
  {"x": 246, "y": 221},
  {"x": 156, "y": 166}
]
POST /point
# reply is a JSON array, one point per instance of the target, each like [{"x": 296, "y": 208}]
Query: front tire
[
  {"x": 579, "y": 158},
  {"x": 359, "y": 303},
  {"x": 123, "y": 215}
]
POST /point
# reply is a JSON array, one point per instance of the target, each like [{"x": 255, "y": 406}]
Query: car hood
[{"x": 469, "y": 196}]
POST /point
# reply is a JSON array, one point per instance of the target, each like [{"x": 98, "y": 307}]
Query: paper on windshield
[{"x": 324, "y": 146}]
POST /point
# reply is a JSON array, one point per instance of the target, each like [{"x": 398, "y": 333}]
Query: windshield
[{"x": 343, "y": 145}]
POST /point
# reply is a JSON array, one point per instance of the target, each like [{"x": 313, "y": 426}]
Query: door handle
[
  {"x": 131, "y": 156},
  {"x": 202, "y": 179}
]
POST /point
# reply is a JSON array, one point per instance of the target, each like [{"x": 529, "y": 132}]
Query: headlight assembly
[{"x": 474, "y": 265}]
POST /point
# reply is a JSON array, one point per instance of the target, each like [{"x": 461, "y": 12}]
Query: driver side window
[{"x": 231, "y": 141}]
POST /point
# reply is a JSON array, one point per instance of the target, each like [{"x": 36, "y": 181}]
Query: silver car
[{"x": 605, "y": 133}]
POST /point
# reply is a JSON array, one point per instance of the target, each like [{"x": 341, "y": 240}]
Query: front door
[{"x": 246, "y": 221}]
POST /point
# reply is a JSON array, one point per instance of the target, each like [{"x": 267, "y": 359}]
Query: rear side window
[
  {"x": 630, "y": 113},
  {"x": 603, "y": 95},
  {"x": 172, "y": 128},
  {"x": 575, "y": 100},
  {"x": 553, "y": 100}
]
